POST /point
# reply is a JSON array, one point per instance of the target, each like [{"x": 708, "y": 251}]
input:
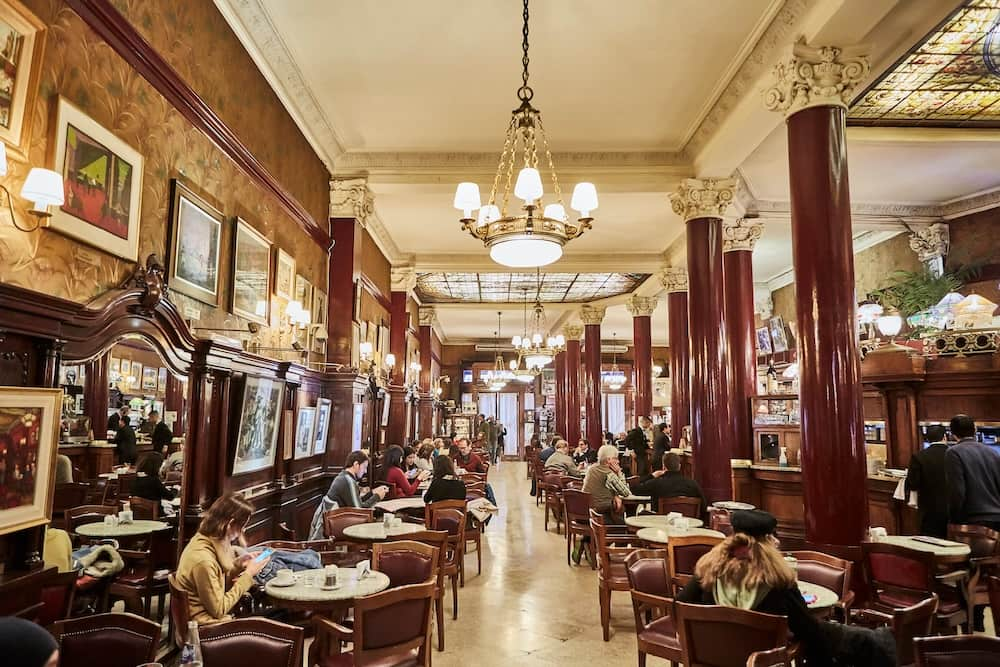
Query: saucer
[
  {"x": 330, "y": 588},
  {"x": 280, "y": 584}
]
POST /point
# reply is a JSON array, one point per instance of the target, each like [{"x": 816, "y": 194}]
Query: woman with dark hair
[
  {"x": 446, "y": 486},
  {"x": 392, "y": 471},
  {"x": 150, "y": 486},
  {"x": 208, "y": 564}
]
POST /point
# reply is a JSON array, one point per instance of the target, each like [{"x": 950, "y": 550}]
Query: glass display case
[
  {"x": 776, "y": 435},
  {"x": 775, "y": 409}
]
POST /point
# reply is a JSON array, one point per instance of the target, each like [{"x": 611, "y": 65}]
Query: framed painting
[
  {"x": 23, "y": 36},
  {"x": 305, "y": 427},
  {"x": 251, "y": 290},
  {"x": 115, "y": 366},
  {"x": 778, "y": 340},
  {"x": 764, "y": 341},
  {"x": 319, "y": 307},
  {"x": 161, "y": 380},
  {"x": 323, "y": 408},
  {"x": 102, "y": 180},
  {"x": 135, "y": 375},
  {"x": 288, "y": 435},
  {"x": 125, "y": 366},
  {"x": 303, "y": 293},
  {"x": 29, "y": 438},
  {"x": 259, "y": 423},
  {"x": 149, "y": 378},
  {"x": 195, "y": 238},
  {"x": 284, "y": 275}
]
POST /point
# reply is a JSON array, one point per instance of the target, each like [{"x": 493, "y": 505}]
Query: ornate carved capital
[
  {"x": 931, "y": 243},
  {"x": 703, "y": 197},
  {"x": 428, "y": 316},
  {"x": 404, "y": 279},
  {"x": 741, "y": 234},
  {"x": 816, "y": 76},
  {"x": 674, "y": 278},
  {"x": 351, "y": 198},
  {"x": 592, "y": 314},
  {"x": 573, "y": 332},
  {"x": 641, "y": 306}
]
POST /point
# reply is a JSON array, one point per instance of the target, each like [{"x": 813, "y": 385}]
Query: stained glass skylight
[{"x": 511, "y": 287}]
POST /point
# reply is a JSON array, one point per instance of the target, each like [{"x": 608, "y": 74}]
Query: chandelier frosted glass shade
[
  {"x": 538, "y": 360},
  {"x": 525, "y": 252}
]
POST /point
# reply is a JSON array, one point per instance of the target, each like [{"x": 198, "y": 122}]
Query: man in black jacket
[
  {"x": 661, "y": 445},
  {"x": 160, "y": 434},
  {"x": 973, "y": 472},
  {"x": 668, "y": 482},
  {"x": 125, "y": 441},
  {"x": 926, "y": 476}
]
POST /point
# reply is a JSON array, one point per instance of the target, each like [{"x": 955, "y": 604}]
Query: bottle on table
[{"x": 191, "y": 653}]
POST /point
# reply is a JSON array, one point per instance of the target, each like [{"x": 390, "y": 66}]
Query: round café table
[
  {"x": 663, "y": 535},
  {"x": 376, "y": 531},
  {"x": 944, "y": 551},
  {"x": 131, "y": 529},
  {"x": 825, "y": 598},
  {"x": 401, "y": 504},
  {"x": 302, "y": 597},
  {"x": 732, "y": 505},
  {"x": 657, "y": 521}
]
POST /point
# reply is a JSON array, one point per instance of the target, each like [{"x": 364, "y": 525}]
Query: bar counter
[{"x": 96, "y": 457}]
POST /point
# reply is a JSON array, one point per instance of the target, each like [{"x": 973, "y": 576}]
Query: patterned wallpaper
[{"x": 82, "y": 68}]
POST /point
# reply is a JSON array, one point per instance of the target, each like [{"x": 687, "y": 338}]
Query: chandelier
[
  {"x": 535, "y": 350},
  {"x": 497, "y": 378},
  {"x": 524, "y": 239},
  {"x": 615, "y": 378}
]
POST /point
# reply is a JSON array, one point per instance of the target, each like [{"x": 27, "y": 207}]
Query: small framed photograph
[
  {"x": 115, "y": 366},
  {"x": 778, "y": 339},
  {"x": 29, "y": 438},
  {"x": 764, "y": 341},
  {"x": 284, "y": 275},
  {"x": 149, "y": 378},
  {"x": 303, "y": 293},
  {"x": 136, "y": 375},
  {"x": 323, "y": 409},
  {"x": 195, "y": 238},
  {"x": 161, "y": 380},
  {"x": 319, "y": 306},
  {"x": 126, "y": 366},
  {"x": 23, "y": 36},
  {"x": 251, "y": 289},
  {"x": 304, "y": 432}
]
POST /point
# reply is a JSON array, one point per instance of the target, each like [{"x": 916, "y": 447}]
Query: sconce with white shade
[
  {"x": 889, "y": 323},
  {"x": 43, "y": 188}
]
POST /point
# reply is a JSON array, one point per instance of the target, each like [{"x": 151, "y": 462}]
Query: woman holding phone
[{"x": 209, "y": 563}]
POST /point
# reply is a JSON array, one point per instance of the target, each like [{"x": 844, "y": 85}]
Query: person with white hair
[{"x": 606, "y": 485}]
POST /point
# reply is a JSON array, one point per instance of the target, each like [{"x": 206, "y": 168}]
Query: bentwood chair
[
  {"x": 143, "y": 508},
  {"x": 683, "y": 553},
  {"x": 576, "y": 511},
  {"x": 776, "y": 657},
  {"x": 685, "y": 505},
  {"x": 612, "y": 549},
  {"x": 906, "y": 624},
  {"x": 439, "y": 540},
  {"x": 57, "y": 594},
  {"x": 405, "y": 562},
  {"x": 261, "y": 641},
  {"x": 77, "y": 516},
  {"x": 816, "y": 567},
  {"x": 65, "y": 496},
  {"x": 715, "y": 636},
  {"x": 984, "y": 561},
  {"x": 145, "y": 574},
  {"x": 649, "y": 586},
  {"x": 334, "y": 523},
  {"x": 551, "y": 486},
  {"x": 962, "y": 651},
  {"x": 449, "y": 516},
  {"x": 109, "y": 640},
  {"x": 390, "y": 628}
]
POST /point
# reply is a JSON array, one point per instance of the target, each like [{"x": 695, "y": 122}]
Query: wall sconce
[
  {"x": 297, "y": 315},
  {"x": 43, "y": 188},
  {"x": 889, "y": 324}
]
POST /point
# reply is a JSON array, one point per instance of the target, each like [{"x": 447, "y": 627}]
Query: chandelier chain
[
  {"x": 552, "y": 166},
  {"x": 510, "y": 173},
  {"x": 511, "y": 128},
  {"x": 525, "y": 93}
]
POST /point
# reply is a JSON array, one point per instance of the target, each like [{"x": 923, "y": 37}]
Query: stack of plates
[{"x": 895, "y": 472}]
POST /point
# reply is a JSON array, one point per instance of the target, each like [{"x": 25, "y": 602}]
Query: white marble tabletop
[
  {"x": 658, "y": 521},
  {"x": 732, "y": 505},
  {"x": 308, "y": 586},
  {"x": 663, "y": 535},
  {"x": 376, "y": 531},
  {"x": 137, "y": 527},
  {"x": 400, "y": 504},
  {"x": 114, "y": 475},
  {"x": 825, "y": 597},
  {"x": 637, "y": 499},
  {"x": 946, "y": 549}
]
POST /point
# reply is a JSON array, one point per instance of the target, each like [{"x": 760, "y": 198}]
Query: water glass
[{"x": 330, "y": 572}]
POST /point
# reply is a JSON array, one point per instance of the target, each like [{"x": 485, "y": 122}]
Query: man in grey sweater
[{"x": 973, "y": 473}]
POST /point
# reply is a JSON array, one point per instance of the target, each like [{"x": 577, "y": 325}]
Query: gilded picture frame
[
  {"x": 250, "y": 286},
  {"x": 25, "y": 34},
  {"x": 284, "y": 274},
  {"x": 29, "y": 436},
  {"x": 195, "y": 245}
]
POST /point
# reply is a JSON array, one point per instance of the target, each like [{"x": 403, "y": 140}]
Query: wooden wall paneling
[
  {"x": 95, "y": 396},
  {"x": 781, "y": 495},
  {"x": 175, "y": 401}
]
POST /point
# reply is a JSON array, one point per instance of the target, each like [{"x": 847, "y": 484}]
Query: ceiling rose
[{"x": 535, "y": 236}]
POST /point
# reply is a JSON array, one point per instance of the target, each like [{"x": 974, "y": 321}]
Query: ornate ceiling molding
[
  {"x": 674, "y": 279},
  {"x": 816, "y": 76},
  {"x": 741, "y": 234},
  {"x": 703, "y": 197},
  {"x": 573, "y": 332},
  {"x": 404, "y": 279},
  {"x": 591, "y": 315},
  {"x": 375, "y": 162},
  {"x": 427, "y": 316},
  {"x": 641, "y": 306},
  {"x": 931, "y": 243}
]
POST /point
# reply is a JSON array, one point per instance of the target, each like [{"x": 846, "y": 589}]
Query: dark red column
[
  {"x": 399, "y": 324},
  {"x": 641, "y": 309},
  {"x": 175, "y": 401},
  {"x": 560, "y": 373},
  {"x": 346, "y": 233},
  {"x": 96, "y": 395},
  {"x": 834, "y": 475},
  {"x": 740, "y": 330},
  {"x": 573, "y": 390},
  {"x": 675, "y": 280},
  {"x": 592, "y": 318},
  {"x": 428, "y": 374}
]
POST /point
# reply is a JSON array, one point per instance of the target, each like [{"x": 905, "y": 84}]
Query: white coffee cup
[
  {"x": 284, "y": 576},
  {"x": 877, "y": 532}
]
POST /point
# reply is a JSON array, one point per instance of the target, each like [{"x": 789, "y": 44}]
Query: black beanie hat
[
  {"x": 755, "y": 523},
  {"x": 25, "y": 644}
]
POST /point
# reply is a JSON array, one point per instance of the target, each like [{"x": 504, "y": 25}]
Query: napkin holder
[{"x": 364, "y": 569}]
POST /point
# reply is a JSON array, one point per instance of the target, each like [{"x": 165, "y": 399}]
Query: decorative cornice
[
  {"x": 673, "y": 279},
  {"x": 427, "y": 316},
  {"x": 641, "y": 306},
  {"x": 816, "y": 76},
  {"x": 741, "y": 234},
  {"x": 390, "y": 161},
  {"x": 703, "y": 197},
  {"x": 573, "y": 332},
  {"x": 351, "y": 198},
  {"x": 404, "y": 279},
  {"x": 591, "y": 315},
  {"x": 930, "y": 243}
]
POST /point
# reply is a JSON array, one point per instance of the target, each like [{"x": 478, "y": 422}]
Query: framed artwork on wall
[
  {"x": 29, "y": 436},
  {"x": 288, "y": 435},
  {"x": 195, "y": 238},
  {"x": 102, "y": 179},
  {"x": 115, "y": 366},
  {"x": 126, "y": 366},
  {"x": 303, "y": 293},
  {"x": 161, "y": 380},
  {"x": 23, "y": 35},
  {"x": 323, "y": 409},
  {"x": 764, "y": 341},
  {"x": 284, "y": 275},
  {"x": 305, "y": 427},
  {"x": 257, "y": 431},
  {"x": 135, "y": 375},
  {"x": 778, "y": 340},
  {"x": 149, "y": 378},
  {"x": 251, "y": 288},
  {"x": 319, "y": 306}
]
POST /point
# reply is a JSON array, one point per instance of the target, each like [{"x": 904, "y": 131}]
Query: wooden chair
[
  {"x": 683, "y": 553},
  {"x": 984, "y": 561},
  {"x": 77, "y": 516},
  {"x": 449, "y": 516},
  {"x": 576, "y": 512},
  {"x": 898, "y": 577},
  {"x": 475, "y": 489},
  {"x": 109, "y": 640},
  {"x": 474, "y": 536},
  {"x": 907, "y": 624},
  {"x": 143, "y": 508},
  {"x": 390, "y": 628},
  {"x": 776, "y": 657},
  {"x": 816, "y": 567},
  {"x": 261, "y": 641},
  {"x": 334, "y": 523},
  {"x": 686, "y": 505},
  {"x": 963, "y": 651},
  {"x": 146, "y": 571},
  {"x": 405, "y": 562},
  {"x": 715, "y": 636},
  {"x": 97, "y": 492},
  {"x": 649, "y": 586},
  {"x": 538, "y": 474},
  {"x": 57, "y": 594},
  {"x": 439, "y": 540},
  {"x": 65, "y": 496},
  {"x": 123, "y": 486},
  {"x": 180, "y": 612},
  {"x": 612, "y": 549},
  {"x": 551, "y": 486},
  {"x": 286, "y": 533}
]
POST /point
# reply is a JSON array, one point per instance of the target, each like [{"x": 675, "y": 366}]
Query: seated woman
[
  {"x": 393, "y": 472},
  {"x": 150, "y": 486},
  {"x": 747, "y": 571},
  {"x": 425, "y": 456},
  {"x": 209, "y": 571},
  {"x": 445, "y": 486}
]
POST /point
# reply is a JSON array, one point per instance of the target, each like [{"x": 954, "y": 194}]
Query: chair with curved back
[
  {"x": 77, "y": 516},
  {"x": 961, "y": 651},
  {"x": 984, "y": 561},
  {"x": 551, "y": 486},
  {"x": 110, "y": 640},
  {"x": 334, "y": 523},
  {"x": 776, "y": 657},
  {"x": 816, "y": 567},
  {"x": 69, "y": 494},
  {"x": 405, "y": 562},
  {"x": 180, "y": 612},
  {"x": 146, "y": 571},
  {"x": 449, "y": 516},
  {"x": 326, "y": 549},
  {"x": 652, "y": 604},
  {"x": 683, "y": 553},
  {"x": 57, "y": 593},
  {"x": 143, "y": 508},
  {"x": 907, "y": 624},
  {"x": 576, "y": 512},
  {"x": 685, "y": 505},
  {"x": 97, "y": 492},
  {"x": 123, "y": 485},
  {"x": 612, "y": 548},
  {"x": 439, "y": 540},
  {"x": 716, "y": 636},
  {"x": 264, "y": 642}
]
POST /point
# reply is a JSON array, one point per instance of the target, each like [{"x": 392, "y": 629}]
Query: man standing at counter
[
  {"x": 926, "y": 477},
  {"x": 115, "y": 420},
  {"x": 973, "y": 473},
  {"x": 160, "y": 434}
]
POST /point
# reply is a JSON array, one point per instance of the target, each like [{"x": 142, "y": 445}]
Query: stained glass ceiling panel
[
  {"x": 514, "y": 287},
  {"x": 945, "y": 81}
]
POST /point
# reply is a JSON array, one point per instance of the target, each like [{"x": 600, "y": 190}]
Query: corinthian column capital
[
  {"x": 404, "y": 279},
  {"x": 351, "y": 198},
  {"x": 573, "y": 332},
  {"x": 741, "y": 234},
  {"x": 641, "y": 306},
  {"x": 673, "y": 279},
  {"x": 427, "y": 316},
  {"x": 816, "y": 76},
  {"x": 591, "y": 314},
  {"x": 932, "y": 242},
  {"x": 703, "y": 197}
]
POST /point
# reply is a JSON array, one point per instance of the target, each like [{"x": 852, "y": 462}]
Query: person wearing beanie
[{"x": 26, "y": 644}]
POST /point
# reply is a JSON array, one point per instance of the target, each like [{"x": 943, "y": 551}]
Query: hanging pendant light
[{"x": 615, "y": 378}]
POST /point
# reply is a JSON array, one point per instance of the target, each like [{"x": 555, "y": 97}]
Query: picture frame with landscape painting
[
  {"x": 284, "y": 275},
  {"x": 251, "y": 279},
  {"x": 29, "y": 436},
  {"x": 260, "y": 412},
  {"x": 195, "y": 239},
  {"x": 102, "y": 180},
  {"x": 22, "y": 36}
]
